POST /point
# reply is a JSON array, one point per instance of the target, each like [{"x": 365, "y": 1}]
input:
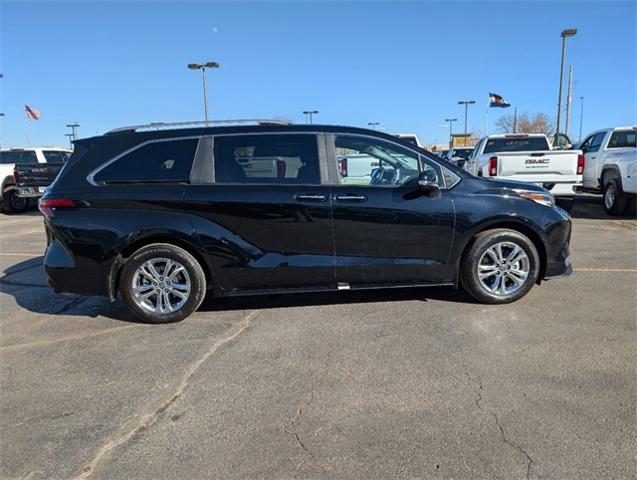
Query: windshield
[{"x": 524, "y": 144}]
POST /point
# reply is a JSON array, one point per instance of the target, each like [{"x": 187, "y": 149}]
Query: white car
[
  {"x": 611, "y": 167},
  {"x": 11, "y": 202},
  {"x": 528, "y": 157},
  {"x": 409, "y": 137}
]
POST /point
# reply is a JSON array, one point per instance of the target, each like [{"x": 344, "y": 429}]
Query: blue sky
[{"x": 403, "y": 64}]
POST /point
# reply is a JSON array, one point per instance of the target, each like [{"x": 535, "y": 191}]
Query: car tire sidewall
[
  {"x": 617, "y": 208},
  {"x": 469, "y": 274},
  {"x": 195, "y": 272},
  {"x": 9, "y": 196}
]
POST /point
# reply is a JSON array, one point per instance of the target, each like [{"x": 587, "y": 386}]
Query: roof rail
[{"x": 213, "y": 123}]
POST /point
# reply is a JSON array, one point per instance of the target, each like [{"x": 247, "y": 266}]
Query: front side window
[
  {"x": 278, "y": 159},
  {"x": 369, "y": 161},
  {"x": 167, "y": 161},
  {"x": 623, "y": 139},
  {"x": 18, "y": 156},
  {"x": 596, "y": 142}
]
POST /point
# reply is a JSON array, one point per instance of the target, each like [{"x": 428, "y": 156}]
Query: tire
[
  {"x": 183, "y": 300},
  {"x": 481, "y": 258},
  {"x": 613, "y": 198},
  {"x": 12, "y": 203},
  {"x": 565, "y": 203}
]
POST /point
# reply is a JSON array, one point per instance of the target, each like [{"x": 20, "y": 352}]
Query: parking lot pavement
[{"x": 415, "y": 383}]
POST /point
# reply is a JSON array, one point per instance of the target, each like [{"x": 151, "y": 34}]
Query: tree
[{"x": 539, "y": 123}]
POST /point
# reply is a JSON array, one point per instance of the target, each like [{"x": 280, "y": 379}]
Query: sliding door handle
[
  {"x": 351, "y": 198},
  {"x": 310, "y": 197}
]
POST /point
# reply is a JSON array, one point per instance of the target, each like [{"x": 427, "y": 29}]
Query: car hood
[{"x": 487, "y": 185}]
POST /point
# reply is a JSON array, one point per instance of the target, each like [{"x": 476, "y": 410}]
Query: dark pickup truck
[{"x": 32, "y": 178}]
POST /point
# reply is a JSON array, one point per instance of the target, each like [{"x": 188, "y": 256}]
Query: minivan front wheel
[
  {"x": 162, "y": 283},
  {"x": 501, "y": 266}
]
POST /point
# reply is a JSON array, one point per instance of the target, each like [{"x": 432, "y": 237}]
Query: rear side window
[
  {"x": 277, "y": 159},
  {"x": 157, "y": 162},
  {"x": 525, "y": 144},
  {"x": 56, "y": 156},
  {"x": 623, "y": 139},
  {"x": 26, "y": 156}
]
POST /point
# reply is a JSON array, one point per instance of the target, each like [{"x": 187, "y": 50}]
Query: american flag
[{"x": 32, "y": 113}]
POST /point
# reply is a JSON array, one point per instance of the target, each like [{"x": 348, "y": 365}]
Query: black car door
[
  {"x": 265, "y": 220},
  {"x": 385, "y": 230}
]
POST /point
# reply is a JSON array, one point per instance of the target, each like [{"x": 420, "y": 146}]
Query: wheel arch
[
  {"x": 131, "y": 248},
  {"x": 508, "y": 224},
  {"x": 611, "y": 171}
]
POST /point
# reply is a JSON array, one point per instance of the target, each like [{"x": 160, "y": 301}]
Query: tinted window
[
  {"x": 596, "y": 142},
  {"x": 18, "y": 157},
  {"x": 163, "y": 161},
  {"x": 56, "y": 156},
  {"x": 462, "y": 153},
  {"x": 367, "y": 161},
  {"x": 524, "y": 144},
  {"x": 283, "y": 159},
  {"x": 623, "y": 139}
]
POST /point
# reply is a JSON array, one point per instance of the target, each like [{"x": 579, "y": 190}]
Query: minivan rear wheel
[
  {"x": 162, "y": 283},
  {"x": 501, "y": 266}
]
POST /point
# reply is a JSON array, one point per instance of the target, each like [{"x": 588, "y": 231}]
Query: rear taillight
[
  {"x": 581, "y": 161},
  {"x": 493, "y": 166},
  {"x": 50, "y": 205},
  {"x": 16, "y": 176},
  {"x": 281, "y": 168},
  {"x": 343, "y": 167}
]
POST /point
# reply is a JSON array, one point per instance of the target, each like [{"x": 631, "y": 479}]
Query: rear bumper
[{"x": 28, "y": 192}]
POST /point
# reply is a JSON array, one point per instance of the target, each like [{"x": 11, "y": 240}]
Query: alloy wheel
[
  {"x": 609, "y": 196},
  {"x": 161, "y": 285},
  {"x": 503, "y": 268}
]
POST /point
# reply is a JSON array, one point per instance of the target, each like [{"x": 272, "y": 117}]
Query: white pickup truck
[
  {"x": 529, "y": 158},
  {"x": 9, "y": 157},
  {"x": 611, "y": 167}
]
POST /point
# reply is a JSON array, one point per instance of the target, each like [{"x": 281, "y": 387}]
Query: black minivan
[{"x": 164, "y": 213}]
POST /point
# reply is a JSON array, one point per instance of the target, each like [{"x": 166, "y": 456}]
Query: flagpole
[
  {"x": 26, "y": 123},
  {"x": 486, "y": 118}
]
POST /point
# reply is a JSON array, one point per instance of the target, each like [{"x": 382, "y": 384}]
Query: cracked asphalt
[{"x": 414, "y": 383}]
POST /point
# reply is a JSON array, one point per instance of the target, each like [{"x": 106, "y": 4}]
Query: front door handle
[
  {"x": 310, "y": 197},
  {"x": 351, "y": 198}
]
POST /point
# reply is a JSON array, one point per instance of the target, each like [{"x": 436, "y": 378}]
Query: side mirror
[{"x": 428, "y": 181}]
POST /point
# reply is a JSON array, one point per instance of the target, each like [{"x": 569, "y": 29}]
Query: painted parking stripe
[
  {"x": 11, "y": 254},
  {"x": 619, "y": 270}
]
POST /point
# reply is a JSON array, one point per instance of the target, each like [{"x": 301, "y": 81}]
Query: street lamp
[
  {"x": 202, "y": 67},
  {"x": 450, "y": 121},
  {"x": 373, "y": 124},
  {"x": 309, "y": 113},
  {"x": 70, "y": 135},
  {"x": 581, "y": 119},
  {"x": 569, "y": 32},
  {"x": 466, "y": 104}
]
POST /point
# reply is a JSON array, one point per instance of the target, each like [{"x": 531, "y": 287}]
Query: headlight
[{"x": 539, "y": 197}]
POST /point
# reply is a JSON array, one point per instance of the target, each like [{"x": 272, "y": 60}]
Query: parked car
[
  {"x": 459, "y": 155},
  {"x": 528, "y": 157},
  {"x": 9, "y": 158},
  {"x": 162, "y": 214},
  {"x": 611, "y": 167}
]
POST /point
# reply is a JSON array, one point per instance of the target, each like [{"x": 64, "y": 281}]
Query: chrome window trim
[{"x": 90, "y": 178}]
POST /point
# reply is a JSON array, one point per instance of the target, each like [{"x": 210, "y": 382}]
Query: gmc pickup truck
[
  {"x": 611, "y": 168},
  {"x": 529, "y": 158},
  {"x": 12, "y": 200}
]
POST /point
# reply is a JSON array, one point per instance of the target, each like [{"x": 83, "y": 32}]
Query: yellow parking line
[
  {"x": 584, "y": 269},
  {"x": 21, "y": 346},
  {"x": 11, "y": 254}
]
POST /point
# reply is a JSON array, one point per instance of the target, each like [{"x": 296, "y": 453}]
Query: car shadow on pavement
[
  {"x": 590, "y": 207},
  {"x": 26, "y": 283}
]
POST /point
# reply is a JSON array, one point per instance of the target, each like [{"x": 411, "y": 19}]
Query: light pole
[
  {"x": 569, "y": 32},
  {"x": 373, "y": 124},
  {"x": 581, "y": 119},
  {"x": 70, "y": 135},
  {"x": 202, "y": 67},
  {"x": 466, "y": 104},
  {"x": 308, "y": 114},
  {"x": 450, "y": 121},
  {"x": 73, "y": 127}
]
